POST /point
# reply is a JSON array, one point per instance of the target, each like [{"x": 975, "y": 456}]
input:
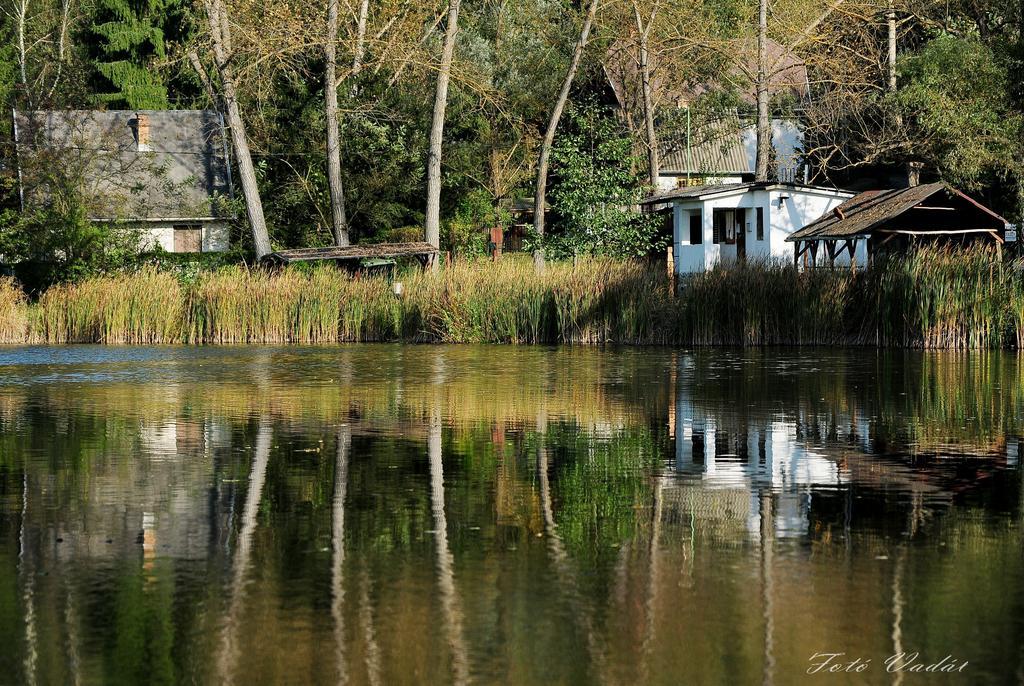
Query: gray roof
[
  {"x": 867, "y": 211},
  {"x": 179, "y": 176},
  {"x": 717, "y": 149}
]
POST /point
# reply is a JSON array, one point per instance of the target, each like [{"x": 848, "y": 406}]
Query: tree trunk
[
  {"x": 21, "y": 17},
  {"x": 890, "y": 22},
  {"x": 433, "y": 219},
  {"x": 911, "y": 168},
  {"x": 204, "y": 77},
  {"x": 764, "y": 123},
  {"x": 220, "y": 38},
  {"x": 645, "y": 82},
  {"x": 360, "y": 50},
  {"x": 339, "y": 221},
  {"x": 539, "y": 200}
]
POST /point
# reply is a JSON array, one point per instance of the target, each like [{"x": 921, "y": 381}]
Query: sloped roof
[
  {"x": 717, "y": 148},
  {"x": 697, "y": 192},
  {"x": 178, "y": 177},
  {"x": 868, "y": 210}
]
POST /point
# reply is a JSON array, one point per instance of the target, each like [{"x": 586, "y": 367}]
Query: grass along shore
[{"x": 933, "y": 298}]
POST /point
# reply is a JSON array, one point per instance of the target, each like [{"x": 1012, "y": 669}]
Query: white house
[
  {"x": 735, "y": 222},
  {"x": 162, "y": 173}
]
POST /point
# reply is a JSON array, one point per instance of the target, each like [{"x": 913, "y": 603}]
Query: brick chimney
[{"x": 140, "y": 127}]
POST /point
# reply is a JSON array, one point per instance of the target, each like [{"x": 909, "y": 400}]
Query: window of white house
[{"x": 760, "y": 223}]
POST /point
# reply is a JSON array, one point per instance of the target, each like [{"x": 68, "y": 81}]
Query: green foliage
[
  {"x": 954, "y": 94},
  {"x": 57, "y": 241},
  {"x": 401, "y": 234},
  {"x": 596, "y": 189},
  {"x": 131, "y": 40},
  {"x": 466, "y": 233}
]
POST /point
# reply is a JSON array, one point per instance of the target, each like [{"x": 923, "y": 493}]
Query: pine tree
[{"x": 131, "y": 34}]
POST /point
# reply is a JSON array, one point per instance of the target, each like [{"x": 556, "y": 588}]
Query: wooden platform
[{"x": 421, "y": 251}]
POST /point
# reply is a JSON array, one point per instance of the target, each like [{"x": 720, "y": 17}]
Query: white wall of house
[
  {"x": 792, "y": 211},
  {"x": 784, "y": 210},
  {"x": 787, "y": 140},
  {"x": 215, "y": 236}
]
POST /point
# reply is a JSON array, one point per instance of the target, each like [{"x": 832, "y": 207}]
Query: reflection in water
[
  {"x": 897, "y": 610},
  {"x": 28, "y": 581},
  {"x": 243, "y": 551},
  {"x": 369, "y": 633},
  {"x": 445, "y": 574},
  {"x": 338, "y": 547},
  {"x": 388, "y": 514}
]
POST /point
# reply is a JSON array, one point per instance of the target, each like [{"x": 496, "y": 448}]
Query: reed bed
[
  {"x": 765, "y": 304},
  {"x": 14, "y": 313},
  {"x": 931, "y": 298},
  {"x": 146, "y": 307}
]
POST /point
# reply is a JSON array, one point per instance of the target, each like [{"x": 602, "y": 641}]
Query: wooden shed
[{"x": 884, "y": 221}]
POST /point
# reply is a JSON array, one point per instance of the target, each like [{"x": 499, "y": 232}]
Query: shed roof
[
  {"x": 178, "y": 175},
  {"x": 717, "y": 148},
  {"x": 699, "y": 192},
  {"x": 868, "y": 210}
]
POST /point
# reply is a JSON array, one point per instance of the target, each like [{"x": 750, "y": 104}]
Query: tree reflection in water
[{"x": 505, "y": 515}]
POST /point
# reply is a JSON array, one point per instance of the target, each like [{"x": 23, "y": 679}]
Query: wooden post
[
  {"x": 496, "y": 239},
  {"x": 670, "y": 263}
]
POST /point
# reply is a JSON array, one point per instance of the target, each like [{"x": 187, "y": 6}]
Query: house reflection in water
[
  {"x": 168, "y": 507},
  {"x": 731, "y": 452}
]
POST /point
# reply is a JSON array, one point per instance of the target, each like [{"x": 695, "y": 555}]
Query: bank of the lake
[{"x": 932, "y": 299}]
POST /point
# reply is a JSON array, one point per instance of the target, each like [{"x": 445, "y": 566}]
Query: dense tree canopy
[{"x": 956, "y": 107}]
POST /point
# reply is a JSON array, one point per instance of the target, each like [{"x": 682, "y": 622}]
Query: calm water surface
[{"x": 390, "y": 515}]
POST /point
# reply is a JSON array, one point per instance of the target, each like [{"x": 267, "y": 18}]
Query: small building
[
  {"x": 731, "y": 223},
  {"x": 164, "y": 173},
  {"x": 880, "y": 221}
]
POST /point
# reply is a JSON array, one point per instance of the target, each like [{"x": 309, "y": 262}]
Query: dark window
[
  {"x": 718, "y": 232},
  {"x": 760, "y": 223},
  {"x": 696, "y": 228},
  {"x": 698, "y": 447}
]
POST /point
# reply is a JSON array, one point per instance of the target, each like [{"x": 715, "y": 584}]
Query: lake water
[{"x": 375, "y": 514}]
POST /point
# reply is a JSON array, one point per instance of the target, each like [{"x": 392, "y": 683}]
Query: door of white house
[
  {"x": 730, "y": 233},
  {"x": 188, "y": 238},
  {"x": 741, "y": 234}
]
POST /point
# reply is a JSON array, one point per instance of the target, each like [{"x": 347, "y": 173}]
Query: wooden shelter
[
  {"x": 350, "y": 256},
  {"x": 896, "y": 220}
]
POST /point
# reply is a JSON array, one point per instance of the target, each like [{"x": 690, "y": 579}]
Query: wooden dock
[{"x": 422, "y": 251}]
